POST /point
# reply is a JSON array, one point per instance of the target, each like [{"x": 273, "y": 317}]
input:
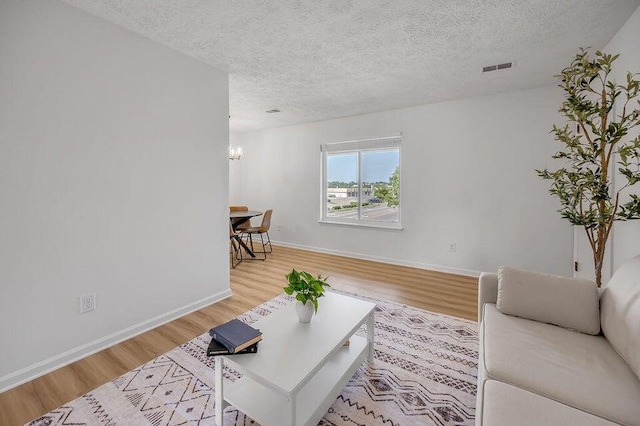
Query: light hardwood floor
[{"x": 252, "y": 283}]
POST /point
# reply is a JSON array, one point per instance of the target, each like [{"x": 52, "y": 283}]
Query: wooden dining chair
[
  {"x": 261, "y": 230},
  {"x": 235, "y": 250},
  {"x": 244, "y": 224}
]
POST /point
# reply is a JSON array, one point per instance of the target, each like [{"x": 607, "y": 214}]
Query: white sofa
[{"x": 536, "y": 369}]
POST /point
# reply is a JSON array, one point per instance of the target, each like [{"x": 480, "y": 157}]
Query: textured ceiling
[{"x": 317, "y": 60}]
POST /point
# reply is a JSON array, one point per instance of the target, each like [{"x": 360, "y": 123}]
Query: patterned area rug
[{"x": 424, "y": 373}]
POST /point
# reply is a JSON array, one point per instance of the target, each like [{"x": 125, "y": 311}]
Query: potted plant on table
[{"x": 308, "y": 289}]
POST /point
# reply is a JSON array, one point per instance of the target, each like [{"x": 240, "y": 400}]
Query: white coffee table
[{"x": 299, "y": 369}]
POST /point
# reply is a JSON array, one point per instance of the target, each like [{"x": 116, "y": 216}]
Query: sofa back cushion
[
  {"x": 568, "y": 302},
  {"x": 620, "y": 312}
]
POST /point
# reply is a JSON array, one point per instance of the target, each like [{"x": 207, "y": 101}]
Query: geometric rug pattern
[{"x": 424, "y": 373}]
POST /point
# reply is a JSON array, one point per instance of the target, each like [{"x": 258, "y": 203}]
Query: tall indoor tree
[{"x": 601, "y": 132}]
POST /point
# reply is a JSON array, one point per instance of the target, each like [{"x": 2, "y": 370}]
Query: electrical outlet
[
  {"x": 87, "y": 303},
  {"x": 452, "y": 247}
]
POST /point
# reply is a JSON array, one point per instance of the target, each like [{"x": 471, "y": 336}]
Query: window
[{"x": 361, "y": 182}]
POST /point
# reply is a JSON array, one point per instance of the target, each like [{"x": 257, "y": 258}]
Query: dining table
[{"x": 238, "y": 217}]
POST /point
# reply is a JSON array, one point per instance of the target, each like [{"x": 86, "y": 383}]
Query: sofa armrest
[{"x": 487, "y": 290}]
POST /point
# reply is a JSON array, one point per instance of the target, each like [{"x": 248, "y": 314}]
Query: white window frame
[{"x": 359, "y": 146}]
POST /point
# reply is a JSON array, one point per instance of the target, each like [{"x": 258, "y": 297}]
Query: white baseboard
[
  {"x": 439, "y": 268},
  {"x": 53, "y": 363}
]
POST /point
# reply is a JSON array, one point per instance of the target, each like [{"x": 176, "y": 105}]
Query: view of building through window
[{"x": 363, "y": 185}]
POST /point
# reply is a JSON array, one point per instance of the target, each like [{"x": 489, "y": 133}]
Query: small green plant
[{"x": 306, "y": 287}]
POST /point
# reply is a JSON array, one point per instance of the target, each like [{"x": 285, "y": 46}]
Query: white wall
[
  {"x": 467, "y": 177},
  {"x": 626, "y": 235},
  {"x": 113, "y": 180}
]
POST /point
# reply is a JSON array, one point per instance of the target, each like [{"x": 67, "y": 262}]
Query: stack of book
[{"x": 233, "y": 337}]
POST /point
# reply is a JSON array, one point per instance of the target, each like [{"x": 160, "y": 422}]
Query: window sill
[{"x": 390, "y": 227}]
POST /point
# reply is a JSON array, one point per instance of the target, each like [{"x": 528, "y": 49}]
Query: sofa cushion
[
  {"x": 620, "y": 312},
  {"x": 567, "y": 302},
  {"x": 576, "y": 369},
  {"x": 504, "y": 404}
]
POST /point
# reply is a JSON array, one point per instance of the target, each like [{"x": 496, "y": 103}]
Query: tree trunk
[
  {"x": 598, "y": 269},
  {"x": 598, "y": 260}
]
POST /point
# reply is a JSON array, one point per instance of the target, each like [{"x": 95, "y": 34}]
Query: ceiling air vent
[
  {"x": 273, "y": 111},
  {"x": 497, "y": 67}
]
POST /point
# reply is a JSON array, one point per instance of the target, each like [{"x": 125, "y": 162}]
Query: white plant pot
[{"x": 304, "y": 312}]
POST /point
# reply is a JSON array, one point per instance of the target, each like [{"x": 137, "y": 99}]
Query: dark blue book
[
  {"x": 235, "y": 335},
  {"x": 216, "y": 348}
]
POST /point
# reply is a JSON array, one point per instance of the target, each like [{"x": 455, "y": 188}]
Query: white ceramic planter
[{"x": 304, "y": 312}]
